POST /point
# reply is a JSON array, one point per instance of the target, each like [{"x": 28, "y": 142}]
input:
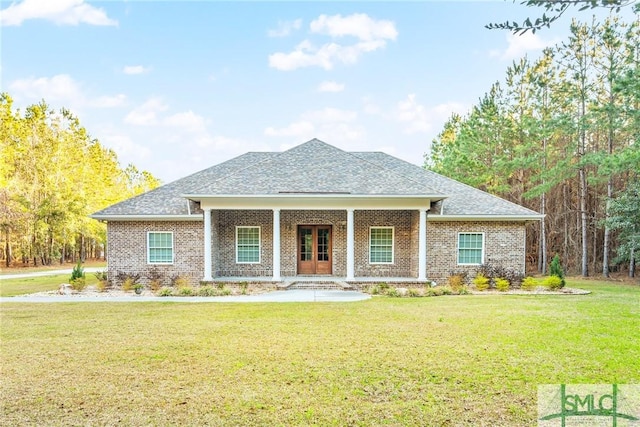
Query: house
[{"x": 315, "y": 211}]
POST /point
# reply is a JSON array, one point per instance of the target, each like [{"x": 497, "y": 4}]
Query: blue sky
[{"x": 175, "y": 87}]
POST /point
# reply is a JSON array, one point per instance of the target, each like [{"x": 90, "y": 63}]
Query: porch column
[
  {"x": 207, "y": 246},
  {"x": 276, "y": 245},
  {"x": 350, "y": 245},
  {"x": 422, "y": 245}
]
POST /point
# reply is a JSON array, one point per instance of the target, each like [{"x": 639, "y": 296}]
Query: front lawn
[
  {"x": 30, "y": 285},
  {"x": 450, "y": 360}
]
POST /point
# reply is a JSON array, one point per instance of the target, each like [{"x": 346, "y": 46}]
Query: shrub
[
  {"x": 224, "y": 291},
  {"x": 502, "y": 284},
  {"x": 456, "y": 282},
  {"x": 128, "y": 280},
  {"x": 207, "y": 291},
  {"x": 155, "y": 279},
  {"x": 375, "y": 290},
  {"x": 464, "y": 291},
  {"x": 384, "y": 287},
  {"x": 553, "y": 282},
  {"x": 529, "y": 283},
  {"x": 243, "y": 288},
  {"x": 185, "y": 291},
  {"x": 78, "y": 284},
  {"x": 414, "y": 293},
  {"x": 77, "y": 272},
  {"x": 393, "y": 292},
  {"x": 446, "y": 290},
  {"x": 165, "y": 291},
  {"x": 555, "y": 269},
  {"x": 481, "y": 282},
  {"x": 179, "y": 281},
  {"x": 103, "y": 280}
]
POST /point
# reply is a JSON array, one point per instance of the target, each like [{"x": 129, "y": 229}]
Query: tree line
[
  {"x": 561, "y": 135},
  {"x": 53, "y": 174}
]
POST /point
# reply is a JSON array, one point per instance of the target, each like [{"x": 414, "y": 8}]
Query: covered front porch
[{"x": 315, "y": 239}]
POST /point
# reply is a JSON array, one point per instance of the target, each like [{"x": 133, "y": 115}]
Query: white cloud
[
  {"x": 60, "y": 88},
  {"x": 135, "y": 69},
  {"x": 519, "y": 45},
  {"x": 358, "y": 25},
  {"x": 285, "y": 28},
  {"x": 61, "y": 12},
  {"x": 418, "y": 118},
  {"x": 147, "y": 113},
  {"x": 330, "y": 124},
  {"x": 370, "y": 34},
  {"x": 187, "y": 120},
  {"x": 125, "y": 148},
  {"x": 330, "y": 86}
]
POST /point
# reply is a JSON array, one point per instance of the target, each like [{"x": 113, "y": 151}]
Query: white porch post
[
  {"x": 207, "y": 246},
  {"x": 422, "y": 245},
  {"x": 350, "y": 246},
  {"x": 276, "y": 245}
]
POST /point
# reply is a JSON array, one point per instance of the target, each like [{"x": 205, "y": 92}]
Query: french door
[{"x": 314, "y": 249}]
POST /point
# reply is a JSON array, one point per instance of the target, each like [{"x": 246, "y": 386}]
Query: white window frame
[
  {"x": 238, "y": 227},
  {"x": 173, "y": 251},
  {"x": 393, "y": 244},
  {"x": 482, "y": 251}
]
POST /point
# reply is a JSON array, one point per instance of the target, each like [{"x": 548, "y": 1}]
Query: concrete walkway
[{"x": 276, "y": 296}]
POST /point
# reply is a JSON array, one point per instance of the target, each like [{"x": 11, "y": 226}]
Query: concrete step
[{"x": 320, "y": 286}]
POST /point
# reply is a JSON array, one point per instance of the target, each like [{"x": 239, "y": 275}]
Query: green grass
[
  {"x": 458, "y": 360},
  {"x": 29, "y": 285}
]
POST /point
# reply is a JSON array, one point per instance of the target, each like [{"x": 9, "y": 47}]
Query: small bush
[
  {"x": 555, "y": 269},
  {"x": 103, "y": 280},
  {"x": 77, "y": 272},
  {"x": 529, "y": 284},
  {"x": 128, "y": 280},
  {"x": 464, "y": 291},
  {"x": 101, "y": 275},
  {"x": 414, "y": 293},
  {"x": 185, "y": 291},
  {"x": 384, "y": 287},
  {"x": 165, "y": 291},
  {"x": 553, "y": 282},
  {"x": 155, "y": 279},
  {"x": 179, "y": 281},
  {"x": 502, "y": 285},
  {"x": 243, "y": 288},
  {"x": 207, "y": 291},
  {"x": 224, "y": 291},
  {"x": 393, "y": 292},
  {"x": 446, "y": 290},
  {"x": 78, "y": 284},
  {"x": 455, "y": 282},
  {"x": 375, "y": 290},
  {"x": 481, "y": 282}
]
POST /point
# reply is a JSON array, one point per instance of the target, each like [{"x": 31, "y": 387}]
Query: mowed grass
[
  {"x": 458, "y": 360},
  {"x": 29, "y": 285}
]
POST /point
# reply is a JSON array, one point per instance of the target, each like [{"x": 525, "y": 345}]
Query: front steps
[{"x": 319, "y": 286}]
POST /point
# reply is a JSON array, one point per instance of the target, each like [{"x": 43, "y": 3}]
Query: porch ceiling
[{"x": 305, "y": 201}]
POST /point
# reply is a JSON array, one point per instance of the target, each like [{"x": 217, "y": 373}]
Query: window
[
  {"x": 248, "y": 245},
  {"x": 471, "y": 248},
  {"x": 160, "y": 247},
  {"x": 381, "y": 245}
]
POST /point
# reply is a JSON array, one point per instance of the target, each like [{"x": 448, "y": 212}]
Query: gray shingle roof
[
  {"x": 318, "y": 168},
  {"x": 462, "y": 199}
]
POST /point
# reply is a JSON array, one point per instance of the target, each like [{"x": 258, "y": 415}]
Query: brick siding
[
  {"x": 504, "y": 246},
  {"x": 127, "y": 244},
  {"x": 127, "y": 248}
]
